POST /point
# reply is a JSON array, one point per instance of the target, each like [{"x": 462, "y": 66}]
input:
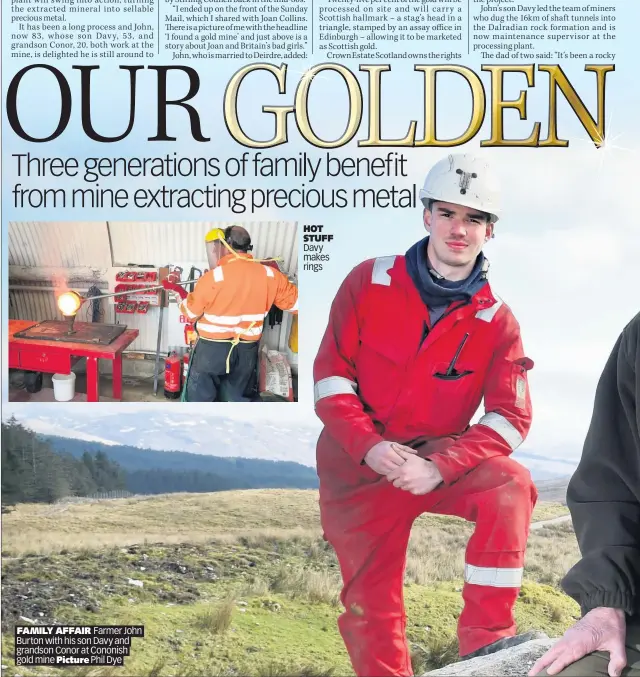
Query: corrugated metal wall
[
  {"x": 68, "y": 245},
  {"x": 61, "y": 244},
  {"x": 33, "y": 305},
  {"x": 161, "y": 243}
]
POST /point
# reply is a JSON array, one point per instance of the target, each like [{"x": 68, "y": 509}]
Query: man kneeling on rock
[
  {"x": 414, "y": 343},
  {"x": 604, "y": 499}
]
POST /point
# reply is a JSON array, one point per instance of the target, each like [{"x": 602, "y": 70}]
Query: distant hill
[
  {"x": 214, "y": 434},
  {"x": 172, "y": 430},
  {"x": 228, "y": 473},
  {"x": 553, "y": 490}
]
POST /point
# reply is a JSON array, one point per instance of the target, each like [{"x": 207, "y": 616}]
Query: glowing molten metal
[{"x": 69, "y": 303}]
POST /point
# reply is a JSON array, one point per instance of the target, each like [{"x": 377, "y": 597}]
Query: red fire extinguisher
[
  {"x": 172, "y": 376},
  {"x": 190, "y": 335}
]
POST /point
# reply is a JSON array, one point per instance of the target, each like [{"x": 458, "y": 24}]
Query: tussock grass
[
  {"x": 436, "y": 652},
  {"x": 278, "y": 669},
  {"x": 201, "y": 562},
  {"x": 546, "y": 510},
  {"x": 551, "y": 552},
  {"x": 436, "y": 554},
  {"x": 300, "y": 583},
  {"x": 157, "y": 668},
  {"x": 256, "y": 587},
  {"x": 217, "y": 618},
  {"x": 274, "y": 514}
]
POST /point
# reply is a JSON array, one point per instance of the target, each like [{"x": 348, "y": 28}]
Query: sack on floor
[{"x": 275, "y": 375}]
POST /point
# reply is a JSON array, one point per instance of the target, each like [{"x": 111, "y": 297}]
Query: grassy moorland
[{"x": 240, "y": 582}]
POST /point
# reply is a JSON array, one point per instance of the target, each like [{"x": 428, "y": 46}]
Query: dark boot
[{"x": 505, "y": 643}]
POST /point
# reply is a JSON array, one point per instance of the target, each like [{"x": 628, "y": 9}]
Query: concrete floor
[{"x": 134, "y": 389}]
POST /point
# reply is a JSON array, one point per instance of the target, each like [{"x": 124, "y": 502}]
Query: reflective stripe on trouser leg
[
  {"x": 499, "y": 497},
  {"x": 496, "y": 577}
]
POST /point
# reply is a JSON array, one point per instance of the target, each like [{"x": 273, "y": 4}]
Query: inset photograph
[{"x": 148, "y": 312}]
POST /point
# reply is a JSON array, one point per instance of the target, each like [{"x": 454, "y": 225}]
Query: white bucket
[{"x": 64, "y": 387}]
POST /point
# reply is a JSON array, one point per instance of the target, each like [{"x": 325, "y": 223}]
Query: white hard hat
[{"x": 465, "y": 180}]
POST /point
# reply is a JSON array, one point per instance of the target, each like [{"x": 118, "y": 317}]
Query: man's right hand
[
  {"x": 383, "y": 458},
  {"x": 601, "y": 629}
]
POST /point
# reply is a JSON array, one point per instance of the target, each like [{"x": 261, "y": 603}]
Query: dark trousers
[
  {"x": 208, "y": 380},
  {"x": 595, "y": 664}
]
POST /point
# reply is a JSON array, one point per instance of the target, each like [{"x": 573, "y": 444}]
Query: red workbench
[{"x": 56, "y": 357}]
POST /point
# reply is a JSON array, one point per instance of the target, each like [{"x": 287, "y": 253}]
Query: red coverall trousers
[
  {"x": 380, "y": 376},
  {"x": 368, "y": 522}
]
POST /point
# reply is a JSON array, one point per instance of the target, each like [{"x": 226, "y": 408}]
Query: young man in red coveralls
[{"x": 412, "y": 345}]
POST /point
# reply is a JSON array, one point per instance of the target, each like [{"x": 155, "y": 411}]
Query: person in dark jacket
[{"x": 604, "y": 499}]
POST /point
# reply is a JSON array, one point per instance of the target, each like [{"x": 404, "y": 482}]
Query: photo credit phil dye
[{"x": 443, "y": 188}]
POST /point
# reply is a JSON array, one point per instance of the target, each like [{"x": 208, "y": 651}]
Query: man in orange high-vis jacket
[
  {"x": 228, "y": 305},
  {"x": 412, "y": 346}
]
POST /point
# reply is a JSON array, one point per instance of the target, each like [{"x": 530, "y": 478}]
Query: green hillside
[{"x": 239, "y": 582}]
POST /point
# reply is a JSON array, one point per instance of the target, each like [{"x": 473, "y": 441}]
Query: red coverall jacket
[{"x": 376, "y": 379}]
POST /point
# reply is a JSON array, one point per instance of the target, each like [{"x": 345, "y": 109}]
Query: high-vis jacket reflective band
[
  {"x": 231, "y": 301},
  {"x": 379, "y": 376},
  {"x": 233, "y": 319},
  {"x": 184, "y": 309},
  {"x": 334, "y": 385},
  {"x": 500, "y": 425},
  {"x": 219, "y": 329},
  {"x": 495, "y": 577},
  {"x": 380, "y": 274},
  {"x": 487, "y": 314},
  {"x": 375, "y": 339}
]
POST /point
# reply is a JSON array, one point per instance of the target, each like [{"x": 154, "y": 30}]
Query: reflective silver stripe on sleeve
[
  {"x": 381, "y": 267},
  {"x": 217, "y": 274},
  {"x": 269, "y": 270},
  {"x": 496, "y": 577},
  {"x": 500, "y": 425},
  {"x": 333, "y": 385},
  {"x": 487, "y": 314},
  {"x": 293, "y": 308},
  {"x": 185, "y": 310}
]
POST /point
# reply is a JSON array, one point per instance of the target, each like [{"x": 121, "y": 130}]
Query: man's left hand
[
  {"x": 416, "y": 475},
  {"x": 171, "y": 286},
  {"x": 601, "y": 629}
]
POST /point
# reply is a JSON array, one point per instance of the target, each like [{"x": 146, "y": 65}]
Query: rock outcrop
[{"x": 513, "y": 662}]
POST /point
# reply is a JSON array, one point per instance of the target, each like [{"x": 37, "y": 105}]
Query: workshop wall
[
  {"x": 160, "y": 243},
  {"x": 59, "y": 244},
  {"x": 81, "y": 254}
]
